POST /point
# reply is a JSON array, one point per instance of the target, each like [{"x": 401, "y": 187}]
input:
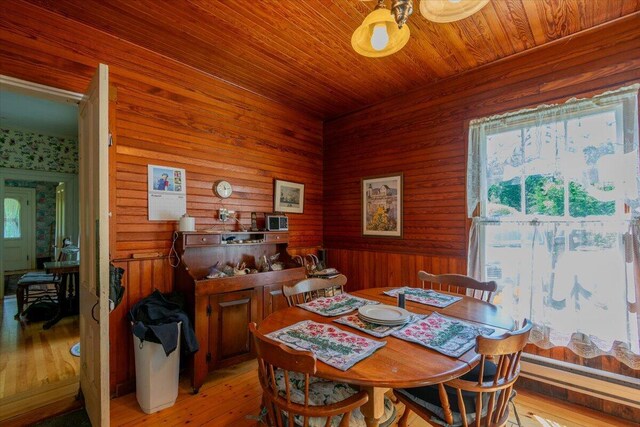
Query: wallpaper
[
  {"x": 32, "y": 151},
  {"x": 45, "y": 212}
]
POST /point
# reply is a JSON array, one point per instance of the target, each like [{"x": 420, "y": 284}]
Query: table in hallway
[{"x": 68, "y": 300}]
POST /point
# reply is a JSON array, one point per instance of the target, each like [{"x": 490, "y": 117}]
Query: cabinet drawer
[
  {"x": 277, "y": 238},
  {"x": 202, "y": 239}
]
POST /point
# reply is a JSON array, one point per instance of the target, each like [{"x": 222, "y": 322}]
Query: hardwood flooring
[
  {"x": 34, "y": 361},
  {"x": 231, "y": 397}
]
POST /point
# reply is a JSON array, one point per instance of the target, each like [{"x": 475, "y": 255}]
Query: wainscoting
[{"x": 141, "y": 278}]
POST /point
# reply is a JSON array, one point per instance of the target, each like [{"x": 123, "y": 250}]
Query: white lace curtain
[{"x": 555, "y": 196}]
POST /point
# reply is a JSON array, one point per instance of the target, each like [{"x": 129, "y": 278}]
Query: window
[
  {"x": 555, "y": 195},
  {"x": 11, "y": 218}
]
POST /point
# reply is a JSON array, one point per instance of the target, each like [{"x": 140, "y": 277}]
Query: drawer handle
[
  {"x": 204, "y": 239},
  {"x": 277, "y": 237}
]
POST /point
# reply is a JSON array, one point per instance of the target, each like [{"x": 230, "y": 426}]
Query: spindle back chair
[
  {"x": 309, "y": 289},
  {"x": 457, "y": 283},
  {"x": 276, "y": 359}
]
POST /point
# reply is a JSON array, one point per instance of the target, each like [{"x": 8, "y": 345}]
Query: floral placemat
[
  {"x": 374, "y": 329},
  {"x": 331, "y": 345},
  {"x": 425, "y": 296},
  {"x": 335, "y": 305},
  {"x": 449, "y": 336}
]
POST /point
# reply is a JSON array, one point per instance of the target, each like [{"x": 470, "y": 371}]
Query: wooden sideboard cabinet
[{"x": 221, "y": 309}]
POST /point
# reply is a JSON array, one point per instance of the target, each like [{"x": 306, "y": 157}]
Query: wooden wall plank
[
  {"x": 164, "y": 112},
  {"x": 423, "y": 134}
]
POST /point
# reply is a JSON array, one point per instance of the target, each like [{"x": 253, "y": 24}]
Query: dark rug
[
  {"x": 77, "y": 418},
  {"x": 11, "y": 283}
]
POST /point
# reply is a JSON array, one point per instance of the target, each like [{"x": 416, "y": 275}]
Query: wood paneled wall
[
  {"x": 141, "y": 278},
  {"x": 166, "y": 113},
  {"x": 423, "y": 134}
]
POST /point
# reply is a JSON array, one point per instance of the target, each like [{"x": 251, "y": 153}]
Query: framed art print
[
  {"x": 288, "y": 197},
  {"x": 382, "y": 206}
]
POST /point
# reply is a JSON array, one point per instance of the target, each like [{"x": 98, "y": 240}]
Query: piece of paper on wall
[{"x": 167, "y": 193}]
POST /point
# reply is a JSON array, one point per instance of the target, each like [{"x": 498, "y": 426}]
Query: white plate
[
  {"x": 384, "y": 313},
  {"x": 383, "y": 323}
]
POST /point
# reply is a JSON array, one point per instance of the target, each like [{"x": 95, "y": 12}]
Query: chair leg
[
  {"x": 405, "y": 417},
  {"x": 20, "y": 301}
]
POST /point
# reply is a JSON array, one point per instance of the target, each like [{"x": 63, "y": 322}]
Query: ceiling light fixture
[
  {"x": 383, "y": 32},
  {"x": 450, "y": 10}
]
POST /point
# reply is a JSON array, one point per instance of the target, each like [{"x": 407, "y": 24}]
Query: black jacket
[{"x": 156, "y": 317}]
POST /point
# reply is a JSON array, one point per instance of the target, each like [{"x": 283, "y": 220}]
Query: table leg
[
  {"x": 373, "y": 410},
  {"x": 62, "y": 302}
]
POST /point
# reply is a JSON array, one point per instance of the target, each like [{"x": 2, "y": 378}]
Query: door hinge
[
  {"x": 110, "y": 139},
  {"x": 208, "y": 357},
  {"x": 27, "y": 257},
  {"x": 209, "y": 310}
]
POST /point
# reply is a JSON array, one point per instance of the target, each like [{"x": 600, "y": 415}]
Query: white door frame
[
  {"x": 31, "y": 224},
  {"x": 58, "y": 95},
  {"x": 45, "y": 92}
]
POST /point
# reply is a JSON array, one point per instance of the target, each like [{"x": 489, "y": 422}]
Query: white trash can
[{"x": 157, "y": 374}]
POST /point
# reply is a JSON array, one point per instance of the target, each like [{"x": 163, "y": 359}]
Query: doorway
[{"x": 39, "y": 139}]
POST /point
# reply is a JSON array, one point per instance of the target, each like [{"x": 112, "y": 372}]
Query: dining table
[
  {"x": 68, "y": 291},
  {"x": 400, "y": 363}
]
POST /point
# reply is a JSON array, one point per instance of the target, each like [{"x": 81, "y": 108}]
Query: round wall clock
[{"x": 222, "y": 189}]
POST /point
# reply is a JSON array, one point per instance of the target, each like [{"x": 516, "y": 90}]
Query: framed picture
[
  {"x": 382, "y": 206},
  {"x": 288, "y": 197}
]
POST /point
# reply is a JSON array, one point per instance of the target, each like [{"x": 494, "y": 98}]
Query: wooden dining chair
[
  {"x": 481, "y": 396},
  {"x": 310, "y": 289},
  {"x": 459, "y": 283},
  {"x": 292, "y": 395}
]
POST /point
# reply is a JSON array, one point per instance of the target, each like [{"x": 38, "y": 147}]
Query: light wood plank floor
[
  {"x": 32, "y": 357},
  {"x": 231, "y": 397}
]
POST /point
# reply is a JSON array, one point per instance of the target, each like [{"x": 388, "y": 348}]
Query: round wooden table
[{"x": 400, "y": 363}]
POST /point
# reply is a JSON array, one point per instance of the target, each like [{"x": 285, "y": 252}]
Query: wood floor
[
  {"x": 32, "y": 357},
  {"x": 231, "y": 397}
]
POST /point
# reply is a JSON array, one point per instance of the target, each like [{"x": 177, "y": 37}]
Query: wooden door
[
  {"x": 94, "y": 247},
  {"x": 19, "y": 228},
  {"x": 229, "y": 339}
]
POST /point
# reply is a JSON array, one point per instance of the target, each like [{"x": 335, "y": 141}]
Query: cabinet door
[
  {"x": 273, "y": 298},
  {"x": 229, "y": 340}
]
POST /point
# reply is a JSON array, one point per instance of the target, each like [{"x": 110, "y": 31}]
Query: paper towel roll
[{"x": 187, "y": 223}]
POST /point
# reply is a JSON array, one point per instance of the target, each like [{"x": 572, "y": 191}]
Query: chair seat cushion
[
  {"x": 37, "y": 277},
  {"x": 324, "y": 392},
  {"x": 429, "y": 398}
]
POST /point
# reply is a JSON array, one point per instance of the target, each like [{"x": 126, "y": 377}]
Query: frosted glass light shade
[
  {"x": 450, "y": 10},
  {"x": 361, "y": 39}
]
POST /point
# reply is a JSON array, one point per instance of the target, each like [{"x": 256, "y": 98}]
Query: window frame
[{"x": 527, "y": 120}]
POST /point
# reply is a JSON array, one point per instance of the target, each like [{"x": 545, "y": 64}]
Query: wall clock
[{"x": 222, "y": 189}]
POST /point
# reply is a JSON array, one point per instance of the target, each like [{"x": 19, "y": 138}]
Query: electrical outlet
[{"x": 223, "y": 214}]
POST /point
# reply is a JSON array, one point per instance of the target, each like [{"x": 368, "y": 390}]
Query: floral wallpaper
[
  {"x": 45, "y": 212},
  {"x": 32, "y": 151}
]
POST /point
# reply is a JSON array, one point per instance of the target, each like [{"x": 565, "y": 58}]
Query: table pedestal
[{"x": 373, "y": 410}]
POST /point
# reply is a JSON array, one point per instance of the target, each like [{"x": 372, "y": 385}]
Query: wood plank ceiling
[{"x": 299, "y": 52}]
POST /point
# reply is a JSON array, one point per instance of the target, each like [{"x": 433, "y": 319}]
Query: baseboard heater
[{"x": 601, "y": 384}]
